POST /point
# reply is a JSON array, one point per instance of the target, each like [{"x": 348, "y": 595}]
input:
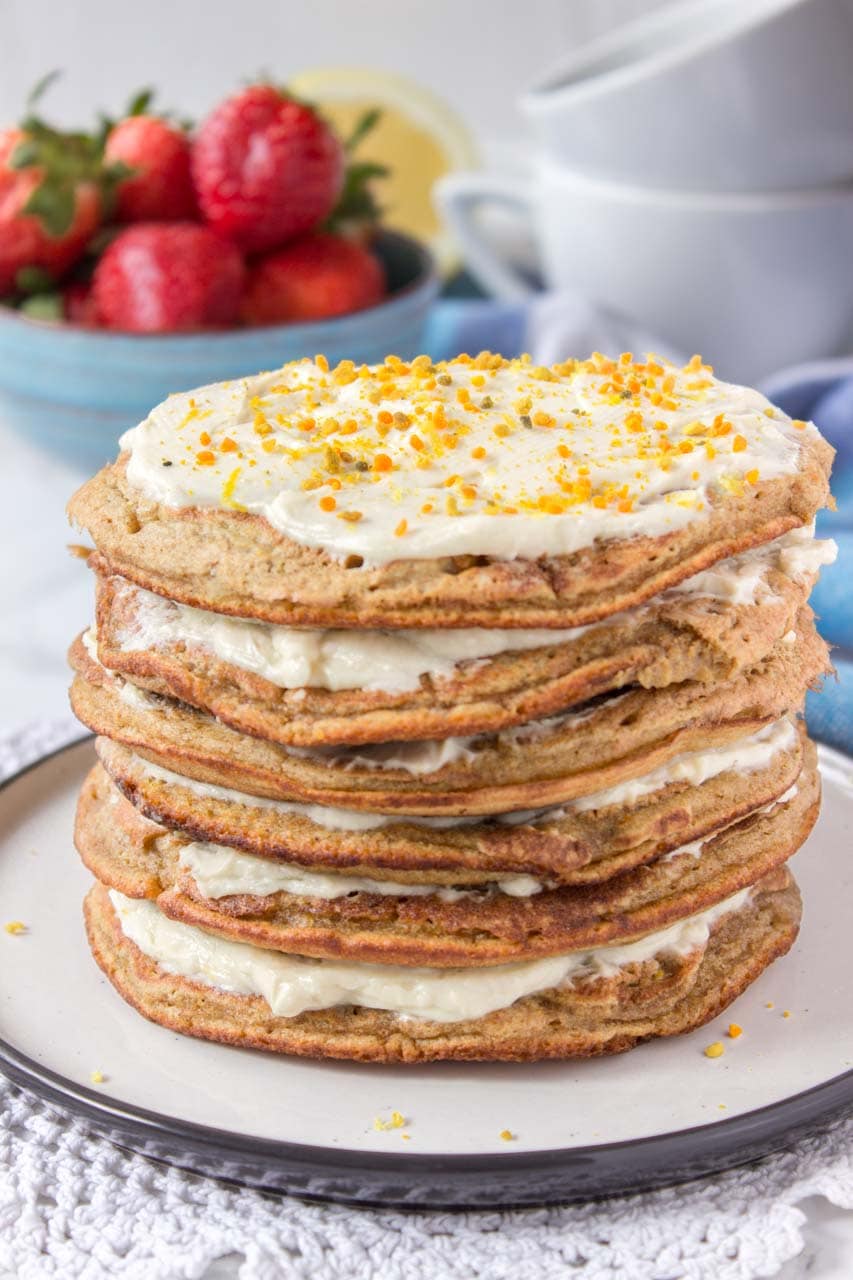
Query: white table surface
[{"x": 47, "y": 598}]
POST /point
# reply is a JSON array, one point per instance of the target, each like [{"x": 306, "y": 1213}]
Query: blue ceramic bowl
[{"x": 75, "y": 390}]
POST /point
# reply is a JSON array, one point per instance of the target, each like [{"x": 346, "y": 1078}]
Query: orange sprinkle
[
  {"x": 427, "y": 508},
  {"x": 401, "y": 528},
  {"x": 228, "y": 445},
  {"x": 327, "y": 503},
  {"x": 385, "y": 417},
  {"x": 563, "y": 451},
  {"x": 468, "y": 491},
  {"x": 799, "y": 424},
  {"x": 478, "y": 453},
  {"x": 752, "y": 476},
  {"x": 417, "y": 444},
  {"x": 205, "y": 458},
  {"x": 738, "y": 444},
  {"x": 204, "y": 438},
  {"x": 322, "y": 363},
  {"x": 735, "y": 1030},
  {"x": 382, "y": 462}
]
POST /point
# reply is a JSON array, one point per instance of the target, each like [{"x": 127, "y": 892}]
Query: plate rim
[{"x": 711, "y": 1147}]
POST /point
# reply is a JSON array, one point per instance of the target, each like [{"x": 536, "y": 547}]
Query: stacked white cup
[{"x": 693, "y": 170}]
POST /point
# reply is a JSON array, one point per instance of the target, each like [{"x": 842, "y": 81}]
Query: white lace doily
[{"x": 73, "y": 1205}]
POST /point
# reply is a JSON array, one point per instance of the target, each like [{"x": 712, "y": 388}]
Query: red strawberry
[
  {"x": 266, "y": 168},
  {"x": 50, "y": 202},
  {"x": 318, "y": 276},
  {"x": 160, "y": 188},
  {"x": 157, "y": 277},
  {"x": 78, "y": 304}
]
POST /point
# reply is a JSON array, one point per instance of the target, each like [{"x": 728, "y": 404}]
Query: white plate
[{"x": 659, "y": 1113}]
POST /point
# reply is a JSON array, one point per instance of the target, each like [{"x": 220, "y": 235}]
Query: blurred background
[
  {"x": 566, "y": 175},
  {"x": 478, "y": 55}
]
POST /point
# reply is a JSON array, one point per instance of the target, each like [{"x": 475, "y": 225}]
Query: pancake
[
  {"x": 692, "y": 633},
  {"x": 554, "y": 497},
  {"x": 544, "y": 763},
  {"x": 691, "y": 796},
  {"x": 232, "y": 563},
  {"x": 664, "y": 996},
  {"x": 128, "y": 853}
]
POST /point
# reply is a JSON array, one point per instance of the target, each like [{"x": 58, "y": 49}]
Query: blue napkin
[
  {"x": 552, "y": 326},
  {"x": 824, "y": 395}
]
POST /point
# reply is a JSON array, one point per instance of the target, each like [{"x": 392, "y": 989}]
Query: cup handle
[{"x": 456, "y": 197}]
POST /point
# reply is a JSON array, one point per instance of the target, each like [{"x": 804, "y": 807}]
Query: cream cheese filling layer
[
  {"x": 292, "y": 985},
  {"x": 502, "y": 459},
  {"x": 746, "y": 755},
  {"x": 220, "y": 872},
  {"x": 395, "y": 661}
]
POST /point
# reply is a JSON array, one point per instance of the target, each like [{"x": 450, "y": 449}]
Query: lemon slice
[{"x": 418, "y": 137}]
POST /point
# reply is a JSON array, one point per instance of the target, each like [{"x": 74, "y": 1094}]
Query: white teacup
[
  {"x": 753, "y": 282},
  {"x": 730, "y": 95}
]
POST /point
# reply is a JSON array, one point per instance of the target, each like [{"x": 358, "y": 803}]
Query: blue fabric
[
  {"x": 827, "y": 400},
  {"x": 823, "y": 394}
]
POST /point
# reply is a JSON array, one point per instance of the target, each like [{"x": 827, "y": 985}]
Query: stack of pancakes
[{"x": 450, "y": 710}]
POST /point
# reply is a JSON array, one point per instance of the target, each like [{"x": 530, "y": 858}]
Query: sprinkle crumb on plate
[
  {"x": 396, "y": 1122},
  {"x": 16, "y": 927},
  {"x": 98, "y": 1077},
  {"x": 506, "y": 1136},
  {"x": 715, "y": 1050}
]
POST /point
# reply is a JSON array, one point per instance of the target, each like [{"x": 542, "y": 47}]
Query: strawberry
[
  {"x": 51, "y": 202},
  {"x": 156, "y": 277},
  {"x": 266, "y": 168},
  {"x": 318, "y": 276},
  {"x": 158, "y": 154},
  {"x": 78, "y": 304}
]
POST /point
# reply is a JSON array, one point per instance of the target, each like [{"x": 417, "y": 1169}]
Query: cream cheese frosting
[
  {"x": 484, "y": 456},
  {"x": 388, "y": 661},
  {"x": 293, "y": 984},
  {"x": 695, "y": 767},
  {"x": 220, "y": 872},
  {"x": 748, "y": 754},
  {"x": 395, "y": 661}
]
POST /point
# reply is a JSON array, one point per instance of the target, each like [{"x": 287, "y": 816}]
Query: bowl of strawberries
[{"x": 148, "y": 257}]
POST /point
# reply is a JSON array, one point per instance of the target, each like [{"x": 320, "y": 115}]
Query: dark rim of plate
[{"x": 442, "y": 1182}]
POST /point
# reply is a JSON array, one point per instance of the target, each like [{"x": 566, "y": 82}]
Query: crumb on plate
[{"x": 396, "y": 1122}]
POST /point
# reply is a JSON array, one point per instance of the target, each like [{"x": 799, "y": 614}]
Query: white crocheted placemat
[{"x": 73, "y": 1205}]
